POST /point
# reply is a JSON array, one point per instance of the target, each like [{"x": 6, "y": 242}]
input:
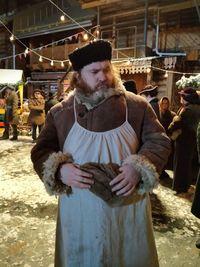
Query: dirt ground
[{"x": 28, "y": 216}]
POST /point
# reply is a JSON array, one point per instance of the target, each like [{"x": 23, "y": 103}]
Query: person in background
[
  {"x": 150, "y": 92},
  {"x": 11, "y": 114},
  {"x": 101, "y": 166},
  {"x": 185, "y": 154},
  {"x": 36, "y": 117},
  {"x": 130, "y": 86},
  {"x": 166, "y": 117},
  {"x": 196, "y": 201},
  {"x": 50, "y": 102}
]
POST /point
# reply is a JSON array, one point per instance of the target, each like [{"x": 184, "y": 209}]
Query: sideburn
[{"x": 80, "y": 85}]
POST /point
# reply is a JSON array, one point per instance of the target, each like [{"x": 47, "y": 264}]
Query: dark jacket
[
  {"x": 155, "y": 106},
  {"x": 166, "y": 118},
  {"x": 185, "y": 158},
  {"x": 50, "y": 103},
  {"x": 11, "y": 113},
  {"x": 196, "y": 202}
]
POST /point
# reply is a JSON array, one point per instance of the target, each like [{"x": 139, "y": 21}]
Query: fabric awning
[{"x": 10, "y": 76}]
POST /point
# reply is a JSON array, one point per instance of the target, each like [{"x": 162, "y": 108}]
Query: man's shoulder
[
  {"x": 135, "y": 100},
  {"x": 66, "y": 104}
]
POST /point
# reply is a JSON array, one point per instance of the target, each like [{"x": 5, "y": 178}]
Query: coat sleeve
[
  {"x": 47, "y": 158},
  {"x": 154, "y": 147}
]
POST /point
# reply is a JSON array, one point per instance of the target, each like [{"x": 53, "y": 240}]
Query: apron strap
[{"x": 75, "y": 117}]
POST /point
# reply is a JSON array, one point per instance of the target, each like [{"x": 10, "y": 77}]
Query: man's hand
[
  {"x": 72, "y": 176},
  {"x": 125, "y": 183}
]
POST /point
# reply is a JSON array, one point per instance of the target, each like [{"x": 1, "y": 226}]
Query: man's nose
[{"x": 102, "y": 76}]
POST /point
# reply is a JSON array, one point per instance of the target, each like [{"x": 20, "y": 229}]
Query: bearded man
[{"x": 101, "y": 150}]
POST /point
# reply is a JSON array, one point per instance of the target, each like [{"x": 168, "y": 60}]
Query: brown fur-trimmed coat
[{"x": 154, "y": 145}]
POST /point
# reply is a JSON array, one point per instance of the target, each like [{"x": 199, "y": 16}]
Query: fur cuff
[
  {"x": 53, "y": 185},
  {"x": 149, "y": 176}
]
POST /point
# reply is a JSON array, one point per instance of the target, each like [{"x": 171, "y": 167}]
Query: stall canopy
[{"x": 9, "y": 76}]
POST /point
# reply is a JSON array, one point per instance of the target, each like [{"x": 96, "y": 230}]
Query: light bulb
[
  {"x": 166, "y": 74},
  {"x": 40, "y": 59},
  {"x": 148, "y": 70},
  {"x": 62, "y": 18},
  {"x": 62, "y": 64},
  {"x": 85, "y": 37},
  {"x": 12, "y": 38},
  {"x": 51, "y": 63}
]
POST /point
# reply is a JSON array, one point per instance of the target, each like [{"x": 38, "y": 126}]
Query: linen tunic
[{"x": 91, "y": 233}]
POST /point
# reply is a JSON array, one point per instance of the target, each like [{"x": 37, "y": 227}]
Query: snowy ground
[{"x": 28, "y": 216}]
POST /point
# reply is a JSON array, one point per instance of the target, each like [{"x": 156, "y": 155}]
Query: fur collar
[{"x": 98, "y": 97}]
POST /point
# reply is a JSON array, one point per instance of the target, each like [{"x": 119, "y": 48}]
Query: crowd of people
[
  {"x": 181, "y": 128},
  {"x": 104, "y": 167},
  {"x": 32, "y": 113}
]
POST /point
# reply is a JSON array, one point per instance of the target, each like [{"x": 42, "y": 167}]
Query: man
[
  {"x": 130, "y": 86},
  {"x": 50, "y": 102},
  {"x": 36, "y": 117},
  {"x": 101, "y": 150},
  {"x": 11, "y": 113},
  {"x": 150, "y": 92}
]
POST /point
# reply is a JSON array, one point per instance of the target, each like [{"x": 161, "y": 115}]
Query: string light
[
  {"x": 128, "y": 62},
  {"x": 62, "y": 18},
  {"x": 40, "y": 59},
  {"x": 166, "y": 74},
  {"x": 33, "y": 50},
  {"x": 52, "y": 63},
  {"x": 62, "y": 64},
  {"x": 85, "y": 37},
  {"x": 26, "y": 51},
  {"x": 148, "y": 70},
  {"x": 175, "y": 72},
  {"x": 12, "y": 38}
]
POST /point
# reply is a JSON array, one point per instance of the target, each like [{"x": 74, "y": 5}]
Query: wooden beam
[
  {"x": 163, "y": 9},
  {"x": 97, "y": 3}
]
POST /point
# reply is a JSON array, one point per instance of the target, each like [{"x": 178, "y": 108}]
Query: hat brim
[{"x": 148, "y": 90}]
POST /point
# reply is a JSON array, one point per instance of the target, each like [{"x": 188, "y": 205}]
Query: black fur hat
[
  {"x": 190, "y": 95},
  {"x": 130, "y": 86},
  {"x": 95, "y": 51}
]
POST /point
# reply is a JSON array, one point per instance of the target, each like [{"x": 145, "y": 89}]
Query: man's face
[
  {"x": 37, "y": 95},
  {"x": 97, "y": 76}
]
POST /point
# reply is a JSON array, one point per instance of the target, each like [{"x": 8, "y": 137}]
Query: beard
[{"x": 83, "y": 87}]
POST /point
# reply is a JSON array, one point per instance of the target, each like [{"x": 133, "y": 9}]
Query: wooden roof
[{"x": 173, "y": 13}]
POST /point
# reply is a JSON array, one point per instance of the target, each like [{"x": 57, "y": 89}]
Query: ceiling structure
[{"x": 167, "y": 11}]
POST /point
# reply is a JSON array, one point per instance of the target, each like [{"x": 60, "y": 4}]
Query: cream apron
[{"x": 90, "y": 233}]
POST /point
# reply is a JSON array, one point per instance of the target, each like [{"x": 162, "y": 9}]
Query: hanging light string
[
  {"x": 81, "y": 26},
  {"x": 69, "y": 17},
  {"x": 27, "y": 49},
  {"x": 175, "y": 72},
  {"x": 41, "y": 47}
]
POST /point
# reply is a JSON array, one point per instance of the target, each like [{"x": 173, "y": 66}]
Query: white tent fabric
[{"x": 10, "y": 76}]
